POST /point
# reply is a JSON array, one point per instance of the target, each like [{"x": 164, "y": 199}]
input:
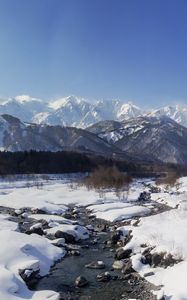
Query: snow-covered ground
[
  {"x": 30, "y": 252},
  {"x": 165, "y": 232},
  {"x": 54, "y": 198},
  {"x": 18, "y": 252}
]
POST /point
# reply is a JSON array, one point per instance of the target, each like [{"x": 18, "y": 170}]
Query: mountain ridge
[
  {"x": 148, "y": 137},
  {"x": 16, "y": 135},
  {"x": 78, "y": 112},
  {"x": 145, "y": 138}
]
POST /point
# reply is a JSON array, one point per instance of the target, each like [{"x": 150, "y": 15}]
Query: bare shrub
[
  {"x": 107, "y": 178},
  {"x": 169, "y": 180},
  {"x": 45, "y": 177}
]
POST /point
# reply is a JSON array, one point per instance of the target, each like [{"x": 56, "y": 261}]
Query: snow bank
[
  {"x": 172, "y": 196},
  {"x": 170, "y": 199},
  {"x": 5, "y": 223},
  {"x": 34, "y": 198},
  {"x": 117, "y": 211},
  {"x": 77, "y": 231},
  {"x": 51, "y": 218},
  {"x": 19, "y": 251},
  {"x": 166, "y": 232},
  {"x": 26, "y": 247},
  {"x": 103, "y": 207}
]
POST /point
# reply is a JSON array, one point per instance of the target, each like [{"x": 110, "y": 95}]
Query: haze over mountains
[{"x": 77, "y": 112}]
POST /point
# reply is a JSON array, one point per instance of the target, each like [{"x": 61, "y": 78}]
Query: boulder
[
  {"x": 123, "y": 253},
  {"x": 69, "y": 238},
  {"x": 81, "y": 281},
  {"x": 115, "y": 236},
  {"x": 36, "y": 230},
  {"x": 154, "y": 189},
  {"x": 104, "y": 277},
  {"x": 96, "y": 265},
  {"x": 118, "y": 264},
  {"x": 58, "y": 242},
  {"x": 127, "y": 269},
  {"x": 29, "y": 276},
  {"x": 102, "y": 228},
  {"x": 75, "y": 252},
  {"x": 157, "y": 259},
  {"x": 144, "y": 196},
  {"x": 149, "y": 274}
]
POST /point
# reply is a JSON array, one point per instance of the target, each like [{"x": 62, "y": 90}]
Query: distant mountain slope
[
  {"x": 141, "y": 139},
  {"x": 18, "y": 136},
  {"x": 148, "y": 138},
  {"x": 104, "y": 126}
]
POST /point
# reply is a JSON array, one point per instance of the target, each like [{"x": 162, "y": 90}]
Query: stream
[{"x": 122, "y": 286}]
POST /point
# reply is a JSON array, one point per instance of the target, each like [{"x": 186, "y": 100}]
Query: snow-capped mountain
[
  {"x": 176, "y": 112},
  {"x": 73, "y": 111},
  {"x": 81, "y": 113},
  {"x": 68, "y": 111},
  {"x": 128, "y": 111},
  {"x": 23, "y": 107}
]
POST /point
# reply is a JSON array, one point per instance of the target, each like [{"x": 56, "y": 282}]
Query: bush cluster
[
  {"x": 104, "y": 178},
  {"x": 169, "y": 179}
]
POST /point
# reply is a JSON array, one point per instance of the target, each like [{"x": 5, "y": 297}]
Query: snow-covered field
[{"x": 164, "y": 232}]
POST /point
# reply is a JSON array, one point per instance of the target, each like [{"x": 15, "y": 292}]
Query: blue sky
[{"x": 129, "y": 49}]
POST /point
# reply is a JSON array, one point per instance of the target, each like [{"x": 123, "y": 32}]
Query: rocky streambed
[
  {"x": 93, "y": 268},
  {"x": 97, "y": 268}
]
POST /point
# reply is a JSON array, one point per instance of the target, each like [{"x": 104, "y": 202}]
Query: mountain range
[
  {"x": 76, "y": 112},
  {"x": 108, "y": 128},
  {"x": 19, "y": 136},
  {"x": 145, "y": 138}
]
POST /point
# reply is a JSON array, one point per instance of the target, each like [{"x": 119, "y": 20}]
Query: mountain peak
[
  {"x": 25, "y": 98},
  {"x": 73, "y": 100},
  {"x": 78, "y": 112},
  {"x": 128, "y": 111}
]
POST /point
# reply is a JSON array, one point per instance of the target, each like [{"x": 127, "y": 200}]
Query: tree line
[{"x": 45, "y": 162}]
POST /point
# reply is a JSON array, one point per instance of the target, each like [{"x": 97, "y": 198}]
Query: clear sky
[{"x": 129, "y": 49}]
